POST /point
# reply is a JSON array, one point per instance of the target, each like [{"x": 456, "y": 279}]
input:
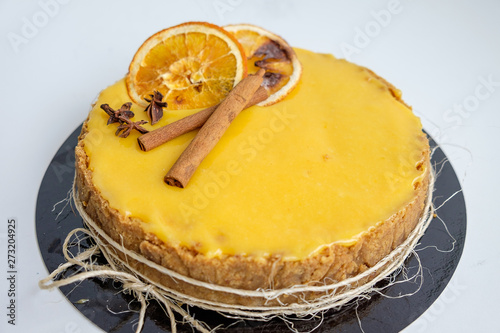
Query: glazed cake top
[{"x": 333, "y": 159}]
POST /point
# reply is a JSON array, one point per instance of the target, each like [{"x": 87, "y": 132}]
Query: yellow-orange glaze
[{"x": 335, "y": 157}]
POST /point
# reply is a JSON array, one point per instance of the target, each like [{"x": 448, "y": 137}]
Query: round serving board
[{"x": 103, "y": 303}]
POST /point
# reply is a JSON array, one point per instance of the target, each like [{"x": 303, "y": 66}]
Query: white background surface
[{"x": 438, "y": 53}]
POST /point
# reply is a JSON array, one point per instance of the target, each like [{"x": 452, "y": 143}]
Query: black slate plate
[{"x": 378, "y": 314}]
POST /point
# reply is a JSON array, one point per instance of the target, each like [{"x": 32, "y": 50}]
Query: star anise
[
  {"x": 115, "y": 115},
  {"x": 155, "y": 107},
  {"x": 128, "y": 125}
]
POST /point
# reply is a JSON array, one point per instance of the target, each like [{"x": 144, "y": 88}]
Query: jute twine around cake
[{"x": 334, "y": 295}]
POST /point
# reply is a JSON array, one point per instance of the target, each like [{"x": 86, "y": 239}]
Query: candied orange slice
[
  {"x": 269, "y": 51},
  {"x": 193, "y": 65}
]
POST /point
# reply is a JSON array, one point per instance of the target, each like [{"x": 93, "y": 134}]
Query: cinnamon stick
[
  {"x": 213, "y": 129},
  {"x": 187, "y": 124}
]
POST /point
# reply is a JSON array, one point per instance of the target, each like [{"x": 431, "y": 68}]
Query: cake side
[
  {"x": 339, "y": 146},
  {"x": 342, "y": 166},
  {"x": 334, "y": 262}
]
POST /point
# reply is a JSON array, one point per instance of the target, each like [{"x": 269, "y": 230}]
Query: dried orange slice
[
  {"x": 193, "y": 65},
  {"x": 267, "y": 50}
]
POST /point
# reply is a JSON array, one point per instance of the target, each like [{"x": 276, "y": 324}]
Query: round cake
[{"x": 314, "y": 189}]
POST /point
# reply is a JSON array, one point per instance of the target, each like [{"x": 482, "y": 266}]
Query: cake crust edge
[{"x": 332, "y": 263}]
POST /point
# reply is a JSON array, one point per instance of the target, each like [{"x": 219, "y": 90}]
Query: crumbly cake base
[{"x": 333, "y": 263}]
